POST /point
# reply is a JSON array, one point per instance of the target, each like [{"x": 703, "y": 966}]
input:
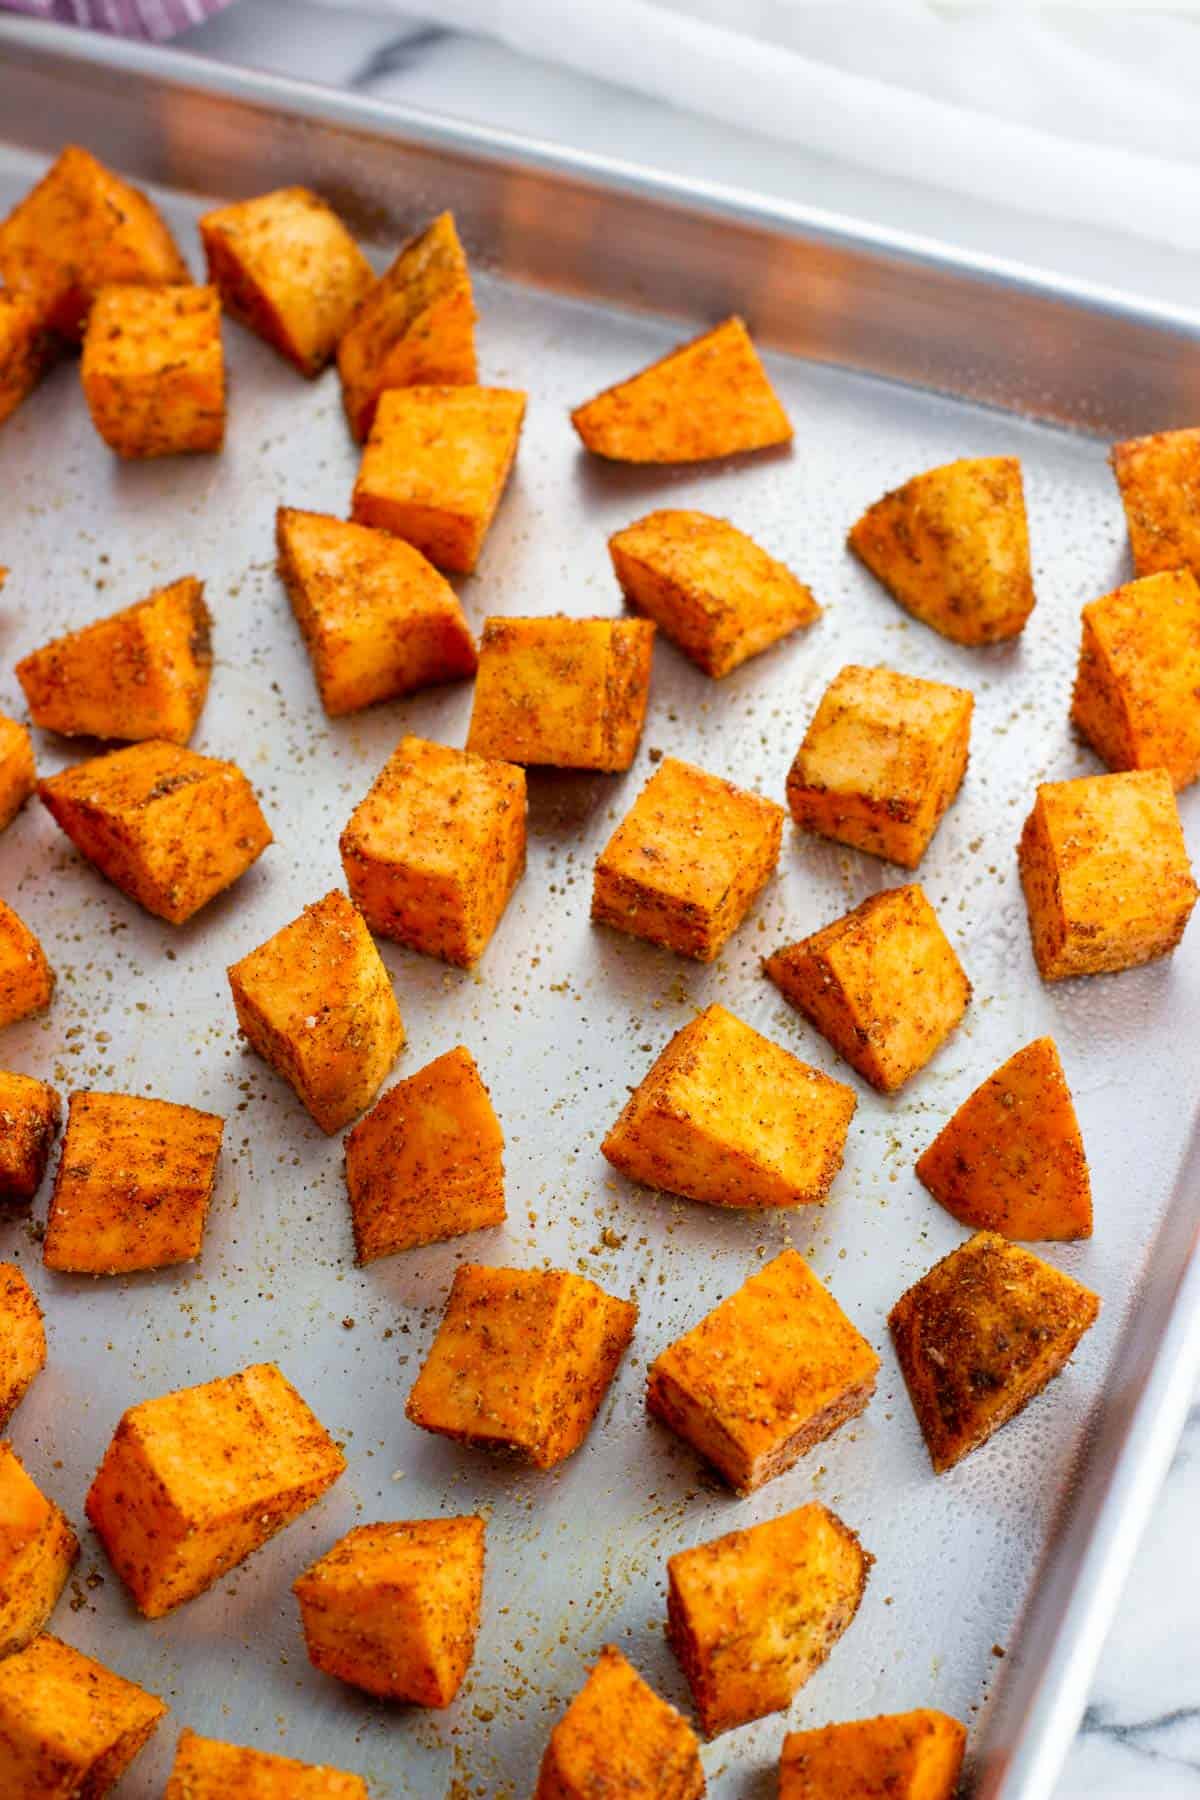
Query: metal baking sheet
[{"x": 1020, "y": 1549}]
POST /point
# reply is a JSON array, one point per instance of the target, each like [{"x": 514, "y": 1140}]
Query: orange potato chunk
[
  {"x": 766, "y": 1375},
  {"x": 952, "y": 546},
  {"x": 427, "y": 1162},
  {"x": 565, "y": 693},
  {"x": 751, "y": 1616},
  {"x": 69, "y": 1727},
  {"x": 882, "y": 984},
  {"x": 707, "y": 398},
  {"x": 377, "y": 618},
  {"x": 394, "y": 1609},
  {"x": 434, "y": 851},
  {"x": 415, "y": 327},
  {"x": 196, "y": 1480},
  {"x": 435, "y": 466},
  {"x": 1139, "y": 675},
  {"x": 618, "y": 1737},
  {"x": 903, "y": 1756},
  {"x": 316, "y": 1002},
  {"x": 688, "y": 861},
  {"x": 26, "y": 978},
  {"x": 18, "y": 776},
  {"x": 521, "y": 1361},
  {"x": 29, "y": 1116},
  {"x": 880, "y": 763},
  {"x": 286, "y": 267},
  {"x": 37, "y": 1552},
  {"x": 141, "y": 673},
  {"x": 1106, "y": 874},
  {"x": 206, "y": 1769},
  {"x": 979, "y": 1336},
  {"x": 26, "y": 350},
  {"x": 153, "y": 370},
  {"x": 1159, "y": 479},
  {"x": 727, "y": 1117},
  {"x": 22, "y": 1339}
]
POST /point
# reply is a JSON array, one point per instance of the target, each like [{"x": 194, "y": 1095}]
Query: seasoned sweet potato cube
[
  {"x": 570, "y": 693},
  {"x": 377, "y": 618},
  {"x": 26, "y": 978},
  {"x": 728, "y": 1117},
  {"x": 952, "y": 546},
  {"x": 316, "y": 1002},
  {"x": 206, "y": 1769},
  {"x": 1106, "y": 873},
  {"x": 18, "y": 776},
  {"x": 903, "y": 1756},
  {"x": 882, "y": 984},
  {"x": 618, "y": 1737},
  {"x": 394, "y": 1609},
  {"x": 881, "y": 762},
  {"x": 434, "y": 851},
  {"x": 170, "y": 828},
  {"x": 37, "y": 1552},
  {"x": 29, "y": 1115},
  {"x": 766, "y": 1375},
  {"x": 1136, "y": 688},
  {"x": 286, "y": 267},
  {"x": 1159, "y": 479},
  {"x": 709, "y": 587},
  {"x": 153, "y": 370},
  {"x": 22, "y": 1339},
  {"x": 1012, "y": 1159},
  {"x": 25, "y": 350},
  {"x": 751, "y": 1616},
  {"x": 709, "y": 397},
  {"x": 427, "y": 1162},
  {"x": 194, "y": 1481},
  {"x": 521, "y": 1361},
  {"x": 415, "y": 327},
  {"x": 979, "y": 1336},
  {"x": 688, "y": 861},
  {"x": 141, "y": 673},
  {"x": 69, "y": 1727}
]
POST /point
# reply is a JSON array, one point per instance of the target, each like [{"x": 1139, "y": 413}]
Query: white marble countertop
[{"x": 1141, "y": 1734}]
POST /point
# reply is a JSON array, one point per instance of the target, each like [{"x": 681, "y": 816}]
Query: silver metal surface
[{"x": 1021, "y": 1548}]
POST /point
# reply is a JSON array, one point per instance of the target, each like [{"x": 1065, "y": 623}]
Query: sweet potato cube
[
  {"x": 688, "y": 861},
  {"x": 141, "y": 673},
  {"x": 133, "y": 1186},
  {"x": 194, "y": 1481},
  {"x": 751, "y": 1616},
  {"x": 207, "y": 1769},
  {"x": 427, "y": 1162},
  {"x": 286, "y": 267},
  {"x": 707, "y": 398},
  {"x": 394, "y": 1609},
  {"x": 882, "y": 984},
  {"x": 316, "y": 1002},
  {"x": 521, "y": 1361},
  {"x": 26, "y": 978},
  {"x": 952, "y": 546},
  {"x": 22, "y": 1339},
  {"x": 905, "y": 1756},
  {"x": 709, "y": 587},
  {"x": 29, "y": 1116},
  {"x": 153, "y": 370},
  {"x": 1136, "y": 688},
  {"x": 170, "y": 828},
  {"x": 377, "y": 618},
  {"x": 881, "y": 762},
  {"x": 1106, "y": 873},
  {"x": 618, "y": 1737},
  {"x": 69, "y": 1727},
  {"x": 18, "y": 776},
  {"x": 979, "y": 1336},
  {"x": 415, "y": 327},
  {"x": 25, "y": 350},
  {"x": 1012, "y": 1159},
  {"x": 1159, "y": 479},
  {"x": 37, "y": 1552},
  {"x": 434, "y": 851},
  {"x": 569, "y": 693},
  {"x": 766, "y": 1375},
  {"x": 728, "y": 1117}
]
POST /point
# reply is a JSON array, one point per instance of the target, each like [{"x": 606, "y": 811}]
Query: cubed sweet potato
[
  {"x": 18, "y": 775},
  {"x": 619, "y": 1738},
  {"x": 751, "y": 1616},
  {"x": 26, "y": 978},
  {"x": 394, "y": 1609},
  {"x": 1136, "y": 687},
  {"x": 377, "y": 618},
  {"x": 170, "y": 828},
  {"x": 1159, "y": 479},
  {"x": 26, "y": 350},
  {"x": 29, "y": 1116},
  {"x": 728, "y": 1117},
  {"x": 316, "y": 1002},
  {"x": 903, "y": 1756},
  {"x": 22, "y": 1339},
  {"x": 882, "y": 760},
  {"x": 521, "y": 1361},
  {"x": 194, "y": 1481},
  {"x": 37, "y": 1553},
  {"x": 153, "y": 370},
  {"x": 707, "y": 398},
  {"x": 688, "y": 861},
  {"x": 207, "y": 1769},
  {"x": 569, "y": 693},
  {"x": 1106, "y": 874},
  {"x": 69, "y": 1727},
  {"x": 434, "y": 851}
]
